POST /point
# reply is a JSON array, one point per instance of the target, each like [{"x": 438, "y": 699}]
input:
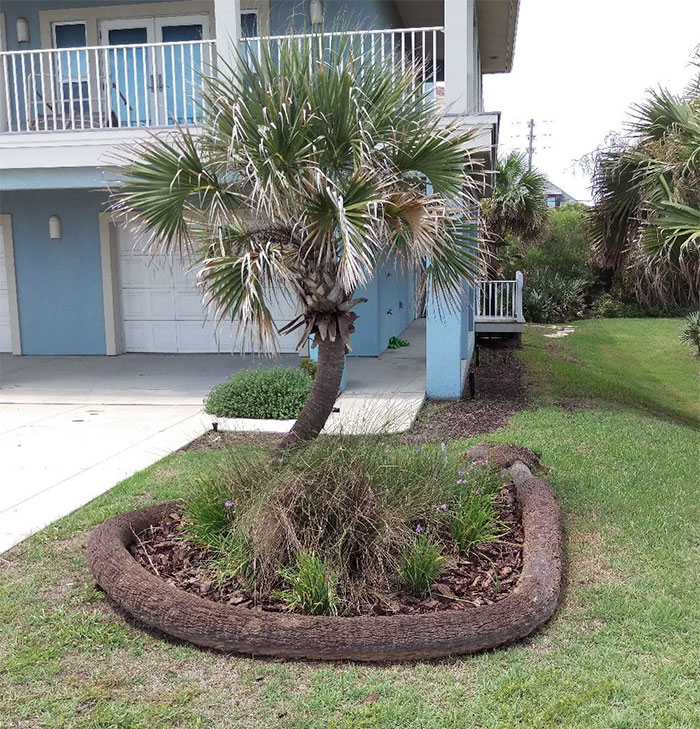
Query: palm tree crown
[
  {"x": 313, "y": 166},
  {"x": 517, "y": 204}
]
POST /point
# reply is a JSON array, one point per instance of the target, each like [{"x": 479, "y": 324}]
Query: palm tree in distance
[{"x": 312, "y": 167}]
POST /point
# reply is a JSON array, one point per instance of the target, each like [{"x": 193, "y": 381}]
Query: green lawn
[
  {"x": 638, "y": 362},
  {"x": 623, "y": 652}
]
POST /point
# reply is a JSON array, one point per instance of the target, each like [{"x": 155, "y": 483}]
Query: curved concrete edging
[{"x": 367, "y": 638}]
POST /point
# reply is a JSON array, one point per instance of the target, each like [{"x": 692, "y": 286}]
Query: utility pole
[{"x": 531, "y": 142}]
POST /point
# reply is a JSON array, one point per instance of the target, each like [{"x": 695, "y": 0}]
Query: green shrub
[
  {"x": 607, "y": 307},
  {"x": 311, "y": 586},
  {"x": 421, "y": 564},
  {"x": 309, "y": 366},
  {"x": 550, "y": 297},
  {"x": 691, "y": 330},
  {"x": 232, "y": 559},
  {"x": 278, "y": 393},
  {"x": 209, "y": 512}
]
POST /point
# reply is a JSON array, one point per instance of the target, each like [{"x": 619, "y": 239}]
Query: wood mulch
[
  {"x": 500, "y": 393},
  {"x": 488, "y": 574}
]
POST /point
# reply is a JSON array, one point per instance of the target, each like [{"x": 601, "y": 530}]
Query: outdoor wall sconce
[
  {"x": 22, "y": 30},
  {"x": 55, "y": 232},
  {"x": 316, "y": 12}
]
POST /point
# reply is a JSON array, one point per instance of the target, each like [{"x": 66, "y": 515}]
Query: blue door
[
  {"x": 183, "y": 66},
  {"x": 130, "y": 78}
]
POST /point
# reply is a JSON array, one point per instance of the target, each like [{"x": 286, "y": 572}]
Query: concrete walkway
[{"x": 73, "y": 427}]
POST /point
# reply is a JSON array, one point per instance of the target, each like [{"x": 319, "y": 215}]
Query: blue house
[{"x": 80, "y": 78}]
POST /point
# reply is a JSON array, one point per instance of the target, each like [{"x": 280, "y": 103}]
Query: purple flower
[
  {"x": 416, "y": 439},
  {"x": 441, "y": 507},
  {"x": 228, "y": 504},
  {"x": 461, "y": 480},
  {"x": 419, "y": 529},
  {"x": 461, "y": 473},
  {"x": 474, "y": 463}
]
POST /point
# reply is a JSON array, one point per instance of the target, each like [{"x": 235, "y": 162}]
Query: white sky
[{"x": 579, "y": 65}]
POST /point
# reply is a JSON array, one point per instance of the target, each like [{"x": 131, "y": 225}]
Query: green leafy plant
[
  {"x": 232, "y": 559},
  {"x": 310, "y": 586},
  {"x": 278, "y": 393},
  {"x": 397, "y": 343},
  {"x": 607, "y": 307},
  {"x": 309, "y": 366},
  {"x": 421, "y": 563},
  {"x": 209, "y": 512},
  {"x": 550, "y": 297},
  {"x": 691, "y": 330}
]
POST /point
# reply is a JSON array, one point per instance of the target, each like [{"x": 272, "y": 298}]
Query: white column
[
  {"x": 228, "y": 28},
  {"x": 459, "y": 57}
]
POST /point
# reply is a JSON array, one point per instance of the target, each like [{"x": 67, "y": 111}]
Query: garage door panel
[
  {"x": 5, "y": 335},
  {"x": 163, "y": 311},
  {"x": 195, "y": 337}
]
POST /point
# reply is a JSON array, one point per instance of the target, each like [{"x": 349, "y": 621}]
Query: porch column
[
  {"x": 447, "y": 349},
  {"x": 227, "y": 14},
  {"x": 460, "y": 69}
]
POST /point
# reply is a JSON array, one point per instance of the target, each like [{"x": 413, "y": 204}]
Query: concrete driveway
[{"x": 73, "y": 427}]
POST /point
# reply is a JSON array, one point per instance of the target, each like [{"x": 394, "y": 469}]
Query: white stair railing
[{"x": 500, "y": 299}]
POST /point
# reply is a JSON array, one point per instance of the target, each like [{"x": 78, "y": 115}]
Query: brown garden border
[{"x": 367, "y": 638}]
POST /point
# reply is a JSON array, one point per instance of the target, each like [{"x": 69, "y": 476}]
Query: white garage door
[
  {"x": 162, "y": 308},
  {"x": 5, "y": 339}
]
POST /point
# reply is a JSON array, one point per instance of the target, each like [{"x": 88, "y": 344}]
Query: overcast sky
[{"x": 578, "y": 68}]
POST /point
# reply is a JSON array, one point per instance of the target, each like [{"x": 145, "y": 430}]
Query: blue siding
[
  {"x": 286, "y": 15},
  {"x": 59, "y": 282}
]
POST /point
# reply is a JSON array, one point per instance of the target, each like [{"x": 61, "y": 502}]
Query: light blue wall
[
  {"x": 286, "y": 15},
  {"x": 389, "y": 310},
  {"x": 59, "y": 282}
]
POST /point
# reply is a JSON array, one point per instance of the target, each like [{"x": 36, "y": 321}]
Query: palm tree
[
  {"x": 517, "y": 204},
  {"x": 312, "y": 166},
  {"x": 646, "y": 221}
]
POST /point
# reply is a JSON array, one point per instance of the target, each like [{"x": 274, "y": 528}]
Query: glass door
[
  {"x": 182, "y": 63},
  {"x": 130, "y": 71}
]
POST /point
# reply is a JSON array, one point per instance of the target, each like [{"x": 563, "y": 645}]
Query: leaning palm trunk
[
  {"x": 314, "y": 165},
  {"x": 319, "y": 405}
]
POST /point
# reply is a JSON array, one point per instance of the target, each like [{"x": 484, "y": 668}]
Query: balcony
[
  {"x": 159, "y": 84},
  {"x": 499, "y": 306}
]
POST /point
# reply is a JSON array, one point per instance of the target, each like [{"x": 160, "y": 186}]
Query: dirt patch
[
  {"x": 500, "y": 393},
  {"x": 220, "y": 440},
  {"x": 484, "y": 576}
]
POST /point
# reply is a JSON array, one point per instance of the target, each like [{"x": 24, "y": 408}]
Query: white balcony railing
[
  {"x": 417, "y": 49},
  {"x": 149, "y": 85},
  {"x": 500, "y": 300},
  {"x": 159, "y": 84}
]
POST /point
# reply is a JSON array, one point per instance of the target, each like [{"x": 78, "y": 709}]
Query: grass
[
  {"x": 637, "y": 362},
  {"x": 623, "y": 652}
]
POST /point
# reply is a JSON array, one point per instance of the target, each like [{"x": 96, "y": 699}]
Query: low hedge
[{"x": 278, "y": 393}]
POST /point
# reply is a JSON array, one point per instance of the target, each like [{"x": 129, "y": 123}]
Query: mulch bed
[
  {"x": 500, "y": 393},
  {"x": 488, "y": 574}
]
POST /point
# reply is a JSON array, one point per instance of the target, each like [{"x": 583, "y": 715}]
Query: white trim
[
  {"x": 6, "y": 223},
  {"x": 3, "y": 96},
  {"x": 114, "y": 339},
  {"x": 94, "y": 15}
]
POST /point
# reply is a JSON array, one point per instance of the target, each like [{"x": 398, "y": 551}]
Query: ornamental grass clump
[
  {"x": 422, "y": 563},
  {"x": 347, "y": 515}
]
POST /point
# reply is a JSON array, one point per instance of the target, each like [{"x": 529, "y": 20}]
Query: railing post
[{"x": 519, "y": 280}]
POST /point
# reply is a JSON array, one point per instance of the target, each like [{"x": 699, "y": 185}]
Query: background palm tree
[
  {"x": 646, "y": 220},
  {"x": 517, "y": 205},
  {"x": 313, "y": 166}
]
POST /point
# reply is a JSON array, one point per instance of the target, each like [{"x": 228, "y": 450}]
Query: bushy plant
[
  {"x": 691, "y": 330},
  {"x": 353, "y": 502},
  {"x": 277, "y": 393},
  {"x": 421, "y": 563},
  {"x": 310, "y": 586},
  {"x": 550, "y": 297},
  {"x": 397, "y": 343},
  {"x": 309, "y": 366},
  {"x": 232, "y": 559},
  {"x": 607, "y": 307}
]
